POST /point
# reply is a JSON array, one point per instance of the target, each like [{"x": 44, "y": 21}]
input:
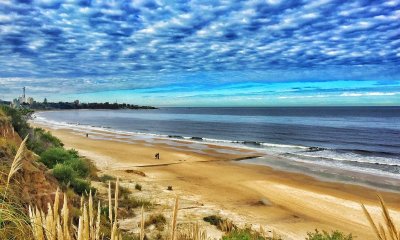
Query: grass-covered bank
[{"x": 126, "y": 203}]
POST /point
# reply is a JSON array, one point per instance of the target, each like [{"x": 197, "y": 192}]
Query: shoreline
[
  {"x": 373, "y": 180},
  {"x": 295, "y": 203}
]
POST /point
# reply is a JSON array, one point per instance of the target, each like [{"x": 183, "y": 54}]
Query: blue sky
[{"x": 202, "y": 53}]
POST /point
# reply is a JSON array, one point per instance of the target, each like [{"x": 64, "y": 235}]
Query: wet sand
[{"x": 292, "y": 203}]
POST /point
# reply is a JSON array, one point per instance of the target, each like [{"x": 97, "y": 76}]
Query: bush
[
  {"x": 73, "y": 153},
  {"x": 81, "y": 186},
  {"x": 64, "y": 173},
  {"x": 138, "y": 187},
  {"x": 18, "y": 119},
  {"x": 243, "y": 234},
  {"x": 41, "y": 140},
  {"x": 335, "y": 235},
  {"x": 53, "y": 156},
  {"x": 156, "y": 219},
  {"x": 81, "y": 168}
]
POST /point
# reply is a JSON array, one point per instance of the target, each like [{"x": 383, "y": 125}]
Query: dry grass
[
  {"x": 191, "y": 232},
  {"x": 174, "y": 217},
  {"x": 55, "y": 226},
  {"x": 17, "y": 162},
  {"x": 387, "y": 230}
]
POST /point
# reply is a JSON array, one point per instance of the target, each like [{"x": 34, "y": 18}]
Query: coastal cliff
[{"x": 33, "y": 184}]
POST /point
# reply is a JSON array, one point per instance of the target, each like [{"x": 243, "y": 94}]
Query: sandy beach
[{"x": 290, "y": 204}]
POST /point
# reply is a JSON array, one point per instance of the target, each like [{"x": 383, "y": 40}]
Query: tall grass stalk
[
  {"x": 191, "y": 232},
  {"x": 174, "y": 217},
  {"x": 387, "y": 230},
  {"x": 110, "y": 204},
  {"x": 49, "y": 226},
  {"x": 17, "y": 162},
  {"x": 142, "y": 224}
]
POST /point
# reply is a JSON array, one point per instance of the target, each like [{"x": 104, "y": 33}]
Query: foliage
[
  {"x": 18, "y": 119},
  {"x": 335, "y": 235},
  {"x": 158, "y": 220},
  {"x": 65, "y": 174},
  {"x": 81, "y": 186},
  {"x": 81, "y": 168},
  {"x": 68, "y": 176},
  {"x": 243, "y": 234},
  {"x": 52, "y": 156},
  {"x": 42, "y": 140},
  {"x": 75, "y": 105}
]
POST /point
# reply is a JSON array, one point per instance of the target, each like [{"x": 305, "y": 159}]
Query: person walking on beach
[
  {"x": 87, "y": 134},
  {"x": 157, "y": 156}
]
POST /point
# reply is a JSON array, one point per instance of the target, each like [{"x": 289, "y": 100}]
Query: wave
[
  {"x": 368, "y": 152},
  {"x": 333, "y": 155},
  {"x": 315, "y": 152}
]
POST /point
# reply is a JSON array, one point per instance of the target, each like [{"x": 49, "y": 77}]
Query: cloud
[{"x": 100, "y": 45}]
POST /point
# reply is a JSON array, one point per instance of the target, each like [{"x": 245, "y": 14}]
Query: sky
[{"x": 202, "y": 53}]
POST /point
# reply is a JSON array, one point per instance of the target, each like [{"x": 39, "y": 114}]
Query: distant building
[{"x": 23, "y": 96}]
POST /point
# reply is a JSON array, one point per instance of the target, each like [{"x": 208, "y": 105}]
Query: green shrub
[
  {"x": 18, "y": 119},
  {"x": 41, "y": 140},
  {"x": 138, "y": 187},
  {"x": 243, "y": 234},
  {"x": 64, "y": 173},
  {"x": 52, "y": 156},
  {"x": 81, "y": 168},
  {"x": 81, "y": 186},
  {"x": 73, "y": 153},
  {"x": 335, "y": 235}
]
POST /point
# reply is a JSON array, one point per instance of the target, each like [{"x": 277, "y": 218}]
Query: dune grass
[{"x": 386, "y": 230}]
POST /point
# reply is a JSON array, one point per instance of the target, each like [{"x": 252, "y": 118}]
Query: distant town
[{"x": 30, "y": 103}]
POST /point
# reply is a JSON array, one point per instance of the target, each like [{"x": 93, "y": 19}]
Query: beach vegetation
[
  {"x": 132, "y": 202},
  {"x": 54, "y": 156},
  {"x": 65, "y": 174},
  {"x": 40, "y": 140},
  {"x": 158, "y": 220},
  {"x": 105, "y": 178},
  {"x": 81, "y": 186},
  {"x": 246, "y": 234},
  {"x": 386, "y": 230},
  {"x": 138, "y": 187},
  {"x": 324, "y": 235},
  {"x": 18, "y": 119},
  {"x": 213, "y": 220}
]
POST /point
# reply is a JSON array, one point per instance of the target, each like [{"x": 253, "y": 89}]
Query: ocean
[{"x": 352, "y": 140}]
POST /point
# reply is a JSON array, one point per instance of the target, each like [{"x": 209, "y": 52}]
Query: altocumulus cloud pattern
[{"x": 91, "y": 46}]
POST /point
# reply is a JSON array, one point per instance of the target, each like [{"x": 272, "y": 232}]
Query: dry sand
[{"x": 292, "y": 204}]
